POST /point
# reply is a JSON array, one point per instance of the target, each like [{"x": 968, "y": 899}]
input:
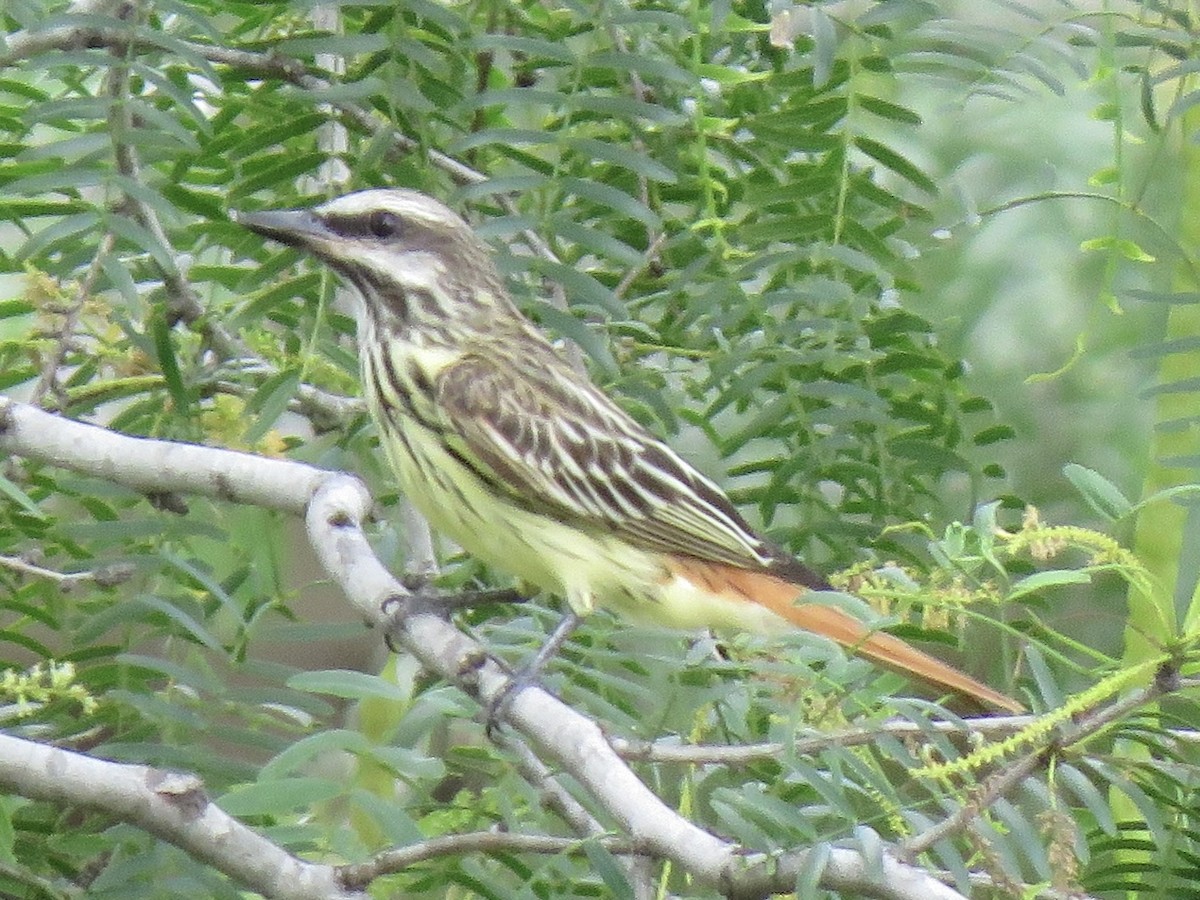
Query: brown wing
[{"x": 553, "y": 442}]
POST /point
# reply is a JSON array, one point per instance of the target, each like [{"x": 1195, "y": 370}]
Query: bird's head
[{"x": 409, "y": 256}]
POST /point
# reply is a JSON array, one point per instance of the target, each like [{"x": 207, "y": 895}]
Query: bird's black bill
[{"x": 294, "y": 227}]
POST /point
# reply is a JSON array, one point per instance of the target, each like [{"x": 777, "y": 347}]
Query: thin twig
[
  {"x": 640, "y": 94},
  {"x": 1030, "y": 892},
  {"x": 105, "y": 576},
  {"x": 325, "y": 410},
  {"x": 1011, "y": 775},
  {"x": 553, "y": 795},
  {"x": 648, "y": 257},
  {"x": 992, "y": 790},
  {"x": 183, "y": 303},
  {"x": 724, "y": 754},
  {"x": 47, "y": 383},
  {"x": 389, "y": 861}
]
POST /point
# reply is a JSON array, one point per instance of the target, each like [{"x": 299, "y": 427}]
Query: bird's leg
[
  {"x": 469, "y": 599},
  {"x": 528, "y": 674},
  {"x": 425, "y": 597}
]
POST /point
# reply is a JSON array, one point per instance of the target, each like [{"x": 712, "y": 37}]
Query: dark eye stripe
[{"x": 380, "y": 225}]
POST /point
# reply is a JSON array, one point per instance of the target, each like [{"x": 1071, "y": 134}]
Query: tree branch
[
  {"x": 156, "y": 467},
  {"x": 171, "y": 806},
  {"x": 26, "y": 43},
  {"x": 334, "y": 505}
]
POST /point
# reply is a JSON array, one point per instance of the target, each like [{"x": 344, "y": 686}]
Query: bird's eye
[{"x": 384, "y": 224}]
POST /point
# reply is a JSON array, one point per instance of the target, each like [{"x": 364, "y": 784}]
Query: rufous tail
[{"x": 782, "y": 598}]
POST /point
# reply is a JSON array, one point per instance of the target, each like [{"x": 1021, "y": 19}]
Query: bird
[{"x": 520, "y": 459}]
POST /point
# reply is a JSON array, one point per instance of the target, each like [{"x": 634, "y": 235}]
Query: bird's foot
[{"x": 528, "y": 675}]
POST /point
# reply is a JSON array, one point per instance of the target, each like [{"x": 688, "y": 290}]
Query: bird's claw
[
  {"x": 496, "y": 709},
  {"x": 529, "y": 675}
]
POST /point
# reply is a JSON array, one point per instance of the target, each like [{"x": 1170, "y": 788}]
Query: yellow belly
[{"x": 587, "y": 569}]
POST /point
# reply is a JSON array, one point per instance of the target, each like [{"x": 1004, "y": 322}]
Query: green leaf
[
  {"x": 605, "y": 865},
  {"x": 141, "y": 238},
  {"x": 8, "y": 835},
  {"x": 1048, "y": 686},
  {"x": 931, "y": 457},
  {"x": 1083, "y": 789},
  {"x": 506, "y": 137},
  {"x": 1019, "y": 830},
  {"x": 22, "y": 89},
  {"x": 581, "y": 287},
  {"x": 626, "y": 157},
  {"x": 165, "y": 349},
  {"x": 591, "y": 342},
  {"x": 198, "y": 679},
  {"x": 615, "y": 199},
  {"x": 1185, "y": 298},
  {"x": 993, "y": 435},
  {"x": 339, "y": 92},
  {"x": 22, "y": 208},
  {"x": 264, "y": 303},
  {"x": 346, "y": 683},
  {"x": 887, "y": 110},
  {"x": 408, "y": 763},
  {"x": 339, "y": 44},
  {"x": 270, "y": 402},
  {"x": 118, "y": 273},
  {"x": 626, "y": 108},
  {"x": 205, "y": 580},
  {"x": 897, "y": 163},
  {"x": 538, "y": 48},
  {"x": 503, "y": 185},
  {"x": 730, "y": 76},
  {"x": 824, "y": 53},
  {"x": 596, "y": 241},
  {"x": 1041, "y": 580},
  {"x": 808, "y": 879},
  {"x": 398, "y": 827},
  {"x": 188, "y": 622},
  {"x": 284, "y": 168},
  {"x": 657, "y": 68},
  {"x": 279, "y": 796},
  {"x": 256, "y": 140},
  {"x": 18, "y": 496},
  {"x": 59, "y": 231},
  {"x": 1152, "y": 813},
  {"x": 1101, "y": 494},
  {"x": 59, "y": 180},
  {"x": 310, "y": 748},
  {"x": 1123, "y": 246},
  {"x": 25, "y": 642}
]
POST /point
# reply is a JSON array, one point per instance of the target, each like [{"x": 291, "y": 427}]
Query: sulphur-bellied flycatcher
[{"x": 524, "y": 463}]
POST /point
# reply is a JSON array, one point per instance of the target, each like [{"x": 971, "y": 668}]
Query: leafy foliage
[{"x": 725, "y": 221}]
